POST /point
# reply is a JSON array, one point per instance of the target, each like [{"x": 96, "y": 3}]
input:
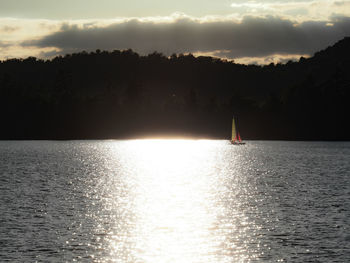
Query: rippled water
[{"x": 159, "y": 201}]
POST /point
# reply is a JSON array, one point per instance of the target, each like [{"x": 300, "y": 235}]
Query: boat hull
[{"x": 237, "y": 143}]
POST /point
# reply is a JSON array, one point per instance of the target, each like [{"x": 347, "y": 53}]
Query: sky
[{"x": 261, "y": 31}]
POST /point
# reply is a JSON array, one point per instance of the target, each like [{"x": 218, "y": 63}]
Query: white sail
[{"x": 234, "y": 134}]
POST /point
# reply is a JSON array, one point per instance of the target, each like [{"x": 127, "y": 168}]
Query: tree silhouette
[{"x": 120, "y": 94}]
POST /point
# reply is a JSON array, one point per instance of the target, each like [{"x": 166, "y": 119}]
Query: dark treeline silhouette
[{"x": 121, "y": 94}]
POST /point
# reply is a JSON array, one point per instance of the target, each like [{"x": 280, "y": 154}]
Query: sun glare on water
[
  {"x": 174, "y": 187},
  {"x": 173, "y": 217}
]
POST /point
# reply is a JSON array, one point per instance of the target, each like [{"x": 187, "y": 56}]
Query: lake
[{"x": 188, "y": 201}]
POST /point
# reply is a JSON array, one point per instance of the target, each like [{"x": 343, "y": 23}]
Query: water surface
[{"x": 188, "y": 201}]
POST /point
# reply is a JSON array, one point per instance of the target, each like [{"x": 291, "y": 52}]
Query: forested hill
[{"x": 121, "y": 94}]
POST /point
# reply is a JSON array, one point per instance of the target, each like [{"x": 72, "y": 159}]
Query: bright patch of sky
[
  {"x": 87, "y": 9},
  {"x": 107, "y": 9},
  {"x": 302, "y": 10}
]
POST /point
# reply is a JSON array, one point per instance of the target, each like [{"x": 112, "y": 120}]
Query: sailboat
[{"x": 236, "y": 137}]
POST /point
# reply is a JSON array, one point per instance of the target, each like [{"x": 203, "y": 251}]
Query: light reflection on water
[
  {"x": 188, "y": 201},
  {"x": 175, "y": 186}
]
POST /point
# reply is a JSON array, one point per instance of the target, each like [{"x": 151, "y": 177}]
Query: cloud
[
  {"x": 252, "y": 37},
  {"x": 4, "y": 44},
  {"x": 301, "y": 10},
  {"x": 342, "y": 3},
  {"x": 49, "y": 53},
  {"x": 249, "y": 38},
  {"x": 277, "y": 58},
  {"x": 8, "y": 29}
]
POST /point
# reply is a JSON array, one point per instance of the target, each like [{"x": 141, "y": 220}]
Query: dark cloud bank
[{"x": 253, "y": 37}]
